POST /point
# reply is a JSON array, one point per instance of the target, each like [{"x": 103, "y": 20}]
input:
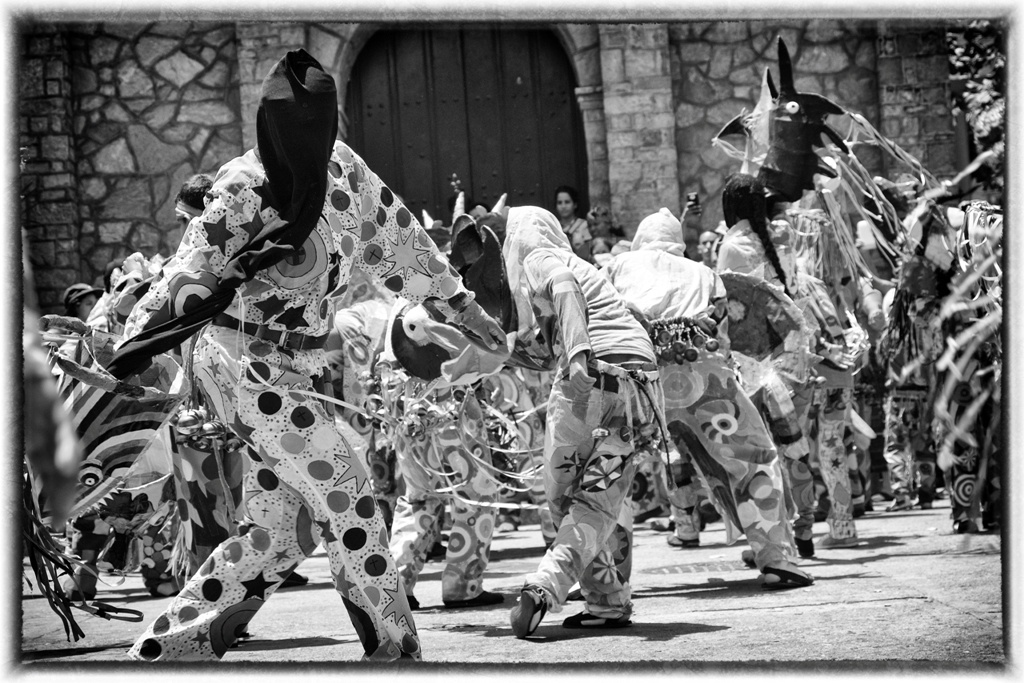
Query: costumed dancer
[
  {"x": 605, "y": 403},
  {"x": 278, "y": 238},
  {"x": 825, "y": 403},
  {"x": 968, "y": 389},
  {"x": 441, "y": 442},
  {"x": 116, "y": 526},
  {"x": 910, "y": 346},
  {"x": 748, "y": 249},
  {"x": 708, "y": 414},
  {"x": 560, "y": 313}
]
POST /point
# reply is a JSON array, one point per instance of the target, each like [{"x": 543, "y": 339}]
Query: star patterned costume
[{"x": 303, "y": 485}]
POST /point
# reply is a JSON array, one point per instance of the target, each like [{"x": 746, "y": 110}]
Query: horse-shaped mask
[
  {"x": 796, "y": 124},
  {"x": 429, "y": 348}
]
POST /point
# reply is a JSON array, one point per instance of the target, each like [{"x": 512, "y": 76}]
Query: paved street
[{"x": 911, "y": 598}]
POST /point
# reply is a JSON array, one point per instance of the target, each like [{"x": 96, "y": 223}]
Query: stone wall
[
  {"x": 49, "y": 206},
  {"x": 154, "y": 104},
  {"x": 639, "y": 121},
  {"x": 113, "y": 117},
  {"x": 913, "y": 68},
  {"x": 717, "y": 69}
]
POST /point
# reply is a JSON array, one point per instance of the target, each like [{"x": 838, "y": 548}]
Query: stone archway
[{"x": 582, "y": 44}]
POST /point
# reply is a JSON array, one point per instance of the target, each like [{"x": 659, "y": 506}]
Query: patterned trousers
[
  {"x": 303, "y": 486},
  {"x": 825, "y": 414},
  {"x": 908, "y": 444},
  {"x": 521, "y": 395},
  {"x": 716, "y": 424},
  {"x": 649, "y": 493},
  {"x": 979, "y": 467},
  {"x": 589, "y": 468},
  {"x": 446, "y": 456}
]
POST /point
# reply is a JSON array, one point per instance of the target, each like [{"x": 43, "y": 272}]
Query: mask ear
[
  {"x": 467, "y": 244},
  {"x": 487, "y": 279}
]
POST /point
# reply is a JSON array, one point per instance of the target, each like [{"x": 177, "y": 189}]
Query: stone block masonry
[
  {"x": 642, "y": 159},
  {"x": 49, "y": 195},
  {"x": 717, "y": 69},
  {"x": 149, "y": 105},
  {"x": 913, "y": 70}
]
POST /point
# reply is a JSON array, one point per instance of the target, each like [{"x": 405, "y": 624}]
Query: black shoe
[
  {"x": 584, "y": 620},
  {"x": 438, "y": 552},
  {"x": 294, "y": 579},
  {"x": 528, "y": 612},
  {"x": 414, "y": 604},
  {"x": 644, "y": 516},
  {"x": 805, "y": 547},
  {"x": 485, "y": 598}
]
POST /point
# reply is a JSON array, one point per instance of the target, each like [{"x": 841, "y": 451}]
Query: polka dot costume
[{"x": 304, "y": 485}]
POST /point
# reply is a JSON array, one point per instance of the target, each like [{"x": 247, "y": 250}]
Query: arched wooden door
[{"x": 495, "y": 106}]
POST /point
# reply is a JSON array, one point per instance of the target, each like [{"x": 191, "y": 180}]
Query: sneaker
[
  {"x": 584, "y": 620},
  {"x": 677, "y": 542},
  {"x": 805, "y": 547},
  {"x": 831, "y": 542},
  {"x": 507, "y": 527},
  {"x": 414, "y": 604},
  {"x": 528, "y": 611}
]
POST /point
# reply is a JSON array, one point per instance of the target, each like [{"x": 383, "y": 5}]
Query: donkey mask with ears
[{"x": 430, "y": 349}]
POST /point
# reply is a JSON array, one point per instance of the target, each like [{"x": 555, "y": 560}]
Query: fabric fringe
[{"x": 49, "y": 564}]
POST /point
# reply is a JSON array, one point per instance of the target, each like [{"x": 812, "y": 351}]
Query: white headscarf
[
  {"x": 528, "y": 230},
  {"x": 661, "y": 231}
]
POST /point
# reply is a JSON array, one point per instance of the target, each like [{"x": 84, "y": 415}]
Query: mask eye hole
[{"x": 792, "y": 107}]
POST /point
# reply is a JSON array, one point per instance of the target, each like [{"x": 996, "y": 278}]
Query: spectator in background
[
  {"x": 97, "y": 318},
  {"x": 567, "y": 202},
  {"x": 708, "y": 247},
  {"x": 605, "y": 235},
  {"x": 79, "y": 300},
  {"x": 191, "y": 199}
]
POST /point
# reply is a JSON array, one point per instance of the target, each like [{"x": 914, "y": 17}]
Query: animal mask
[
  {"x": 429, "y": 348},
  {"x": 795, "y": 126}
]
